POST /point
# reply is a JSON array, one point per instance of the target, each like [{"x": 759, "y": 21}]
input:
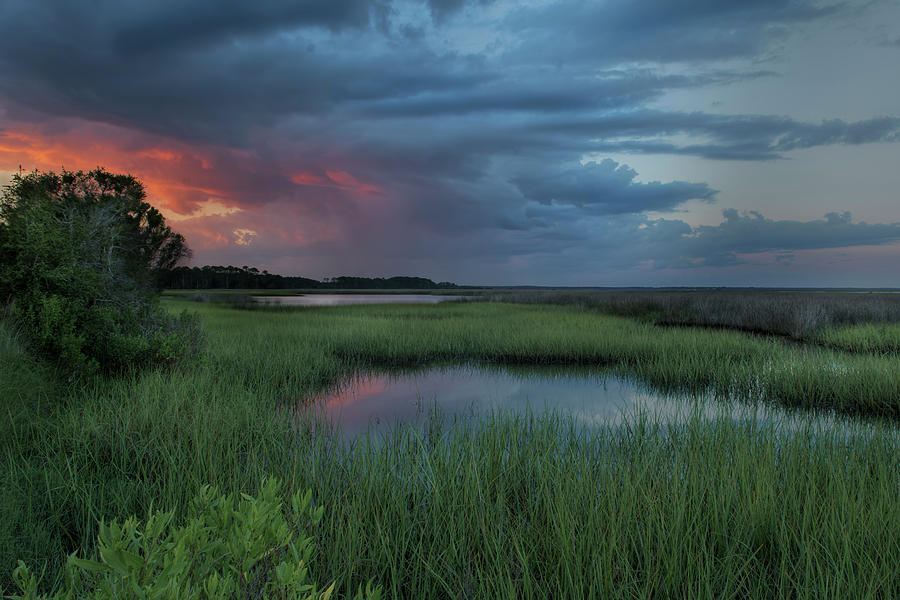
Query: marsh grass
[
  {"x": 266, "y": 348},
  {"x": 796, "y": 314},
  {"x": 509, "y": 507},
  {"x": 867, "y": 338},
  {"x": 530, "y": 506}
]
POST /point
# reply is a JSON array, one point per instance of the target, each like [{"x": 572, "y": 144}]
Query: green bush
[
  {"x": 253, "y": 547},
  {"x": 80, "y": 252}
]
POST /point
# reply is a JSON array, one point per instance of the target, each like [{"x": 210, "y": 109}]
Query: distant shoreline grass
[
  {"x": 318, "y": 291},
  {"x": 798, "y": 314},
  {"x": 512, "y": 507}
]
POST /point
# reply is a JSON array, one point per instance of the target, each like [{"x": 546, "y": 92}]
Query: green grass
[
  {"x": 329, "y": 341},
  {"x": 792, "y": 313},
  {"x": 512, "y": 507},
  {"x": 868, "y": 338},
  {"x": 28, "y": 393}
]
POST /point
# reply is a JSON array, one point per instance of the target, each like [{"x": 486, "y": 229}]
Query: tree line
[{"x": 250, "y": 278}]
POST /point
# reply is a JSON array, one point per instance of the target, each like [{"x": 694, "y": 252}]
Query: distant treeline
[{"x": 250, "y": 278}]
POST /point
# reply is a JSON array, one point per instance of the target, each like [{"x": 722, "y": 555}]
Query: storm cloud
[
  {"x": 374, "y": 136},
  {"x": 608, "y": 188},
  {"x": 752, "y": 233}
]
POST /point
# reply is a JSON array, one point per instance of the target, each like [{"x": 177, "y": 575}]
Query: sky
[{"x": 530, "y": 142}]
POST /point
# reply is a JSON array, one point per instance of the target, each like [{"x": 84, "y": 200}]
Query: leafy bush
[
  {"x": 80, "y": 252},
  {"x": 229, "y": 548}
]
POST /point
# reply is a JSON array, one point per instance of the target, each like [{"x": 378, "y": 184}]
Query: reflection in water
[
  {"x": 341, "y": 299},
  {"x": 382, "y": 401}
]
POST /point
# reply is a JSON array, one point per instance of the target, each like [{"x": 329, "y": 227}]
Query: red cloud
[
  {"x": 336, "y": 179},
  {"x": 176, "y": 176},
  {"x": 214, "y": 194}
]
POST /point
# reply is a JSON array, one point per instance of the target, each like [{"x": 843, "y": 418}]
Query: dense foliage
[
  {"x": 219, "y": 277},
  {"x": 247, "y": 548},
  {"x": 80, "y": 253}
]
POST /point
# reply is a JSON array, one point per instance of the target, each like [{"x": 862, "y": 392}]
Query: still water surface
[
  {"x": 341, "y": 299},
  {"x": 379, "y": 401}
]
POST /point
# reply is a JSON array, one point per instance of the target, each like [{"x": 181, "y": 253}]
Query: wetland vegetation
[
  {"x": 161, "y": 449},
  {"x": 526, "y": 505},
  {"x": 798, "y": 314}
]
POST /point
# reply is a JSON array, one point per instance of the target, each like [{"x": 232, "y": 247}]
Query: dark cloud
[
  {"x": 132, "y": 27},
  {"x": 207, "y": 71},
  {"x": 608, "y": 188},
  {"x": 836, "y": 131},
  {"x": 734, "y": 137},
  {"x": 634, "y": 249},
  {"x": 141, "y": 27},
  {"x": 442, "y": 9},
  {"x": 410, "y": 131},
  {"x": 223, "y": 72},
  {"x": 752, "y": 233},
  {"x": 550, "y": 91},
  {"x": 658, "y": 30}
]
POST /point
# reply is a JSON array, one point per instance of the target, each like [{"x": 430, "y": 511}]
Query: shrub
[
  {"x": 249, "y": 548},
  {"x": 80, "y": 251}
]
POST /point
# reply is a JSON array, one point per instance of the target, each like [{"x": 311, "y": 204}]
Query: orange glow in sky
[{"x": 200, "y": 190}]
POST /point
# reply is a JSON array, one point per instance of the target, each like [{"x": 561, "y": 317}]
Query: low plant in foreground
[{"x": 229, "y": 548}]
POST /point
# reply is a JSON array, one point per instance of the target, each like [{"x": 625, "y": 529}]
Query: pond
[
  {"x": 342, "y": 299},
  {"x": 379, "y": 402}
]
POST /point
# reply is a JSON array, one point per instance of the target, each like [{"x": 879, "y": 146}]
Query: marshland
[
  {"x": 449, "y": 299},
  {"x": 702, "y": 502}
]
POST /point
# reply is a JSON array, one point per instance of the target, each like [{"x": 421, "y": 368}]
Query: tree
[
  {"x": 147, "y": 243},
  {"x": 80, "y": 256}
]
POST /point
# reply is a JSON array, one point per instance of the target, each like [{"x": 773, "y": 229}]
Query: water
[
  {"x": 342, "y": 299},
  {"x": 379, "y": 402}
]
